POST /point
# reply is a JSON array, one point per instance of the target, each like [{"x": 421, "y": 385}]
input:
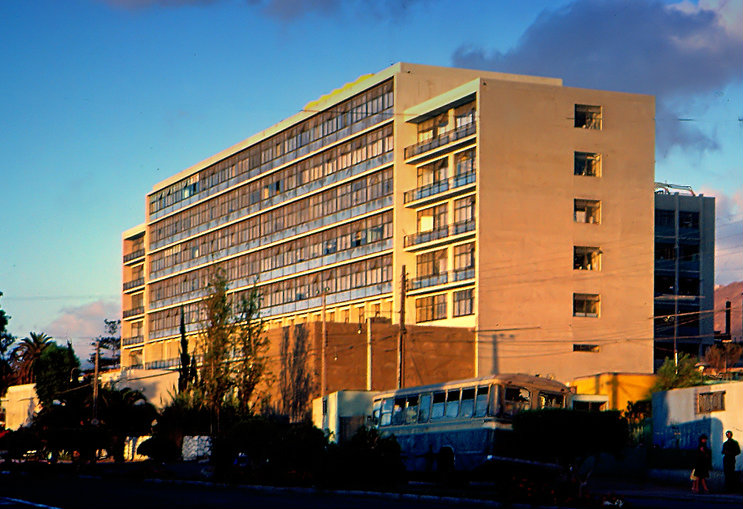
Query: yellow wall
[{"x": 620, "y": 388}]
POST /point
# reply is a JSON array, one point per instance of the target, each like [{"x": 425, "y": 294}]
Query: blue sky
[{"x": 101, "y": 99}]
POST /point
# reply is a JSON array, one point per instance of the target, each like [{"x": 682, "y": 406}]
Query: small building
[
  {"x": 680, "y": 416},
  {"x": 20, "y": 403},
  {"x": 342, "y": 413},
  {"x": 610, "y": 391}
]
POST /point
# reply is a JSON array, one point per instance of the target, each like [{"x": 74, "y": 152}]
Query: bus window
[
  {"x": 515, "y": 400},
  {"x": 439, "y": 400},
  {"x": 376, "y": 410},
  {"x": 550, "y": 400},
  {"x": 386, "y": 418},
  {"x": 452, "y": 403},
  {"x": 411, "y": 410},
  {"x": 496, "y": 396},
  {"x": 424, "y": 411},
  {"x": 468, "y": 402},
  {"x": 397, "y": 411},
  {"x": 481, "y": 401}
]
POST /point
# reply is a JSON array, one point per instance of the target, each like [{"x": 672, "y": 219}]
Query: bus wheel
[{"x": 445, "y": 465}]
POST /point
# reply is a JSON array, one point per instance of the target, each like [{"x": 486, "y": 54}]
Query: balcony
[
  {"x": 438, "y": 188},
  {"x": 453, "y": 276},
  {"x": 134, "y": 256},
  {"x": 134, "y": 340},
  {"x": 439, "y": 233},
  {"x": 163, "y": 364},
  {"x": 128, "y": 313},
  {"x": 133, "y": 284},
  {"x": 439, "y": 141}
]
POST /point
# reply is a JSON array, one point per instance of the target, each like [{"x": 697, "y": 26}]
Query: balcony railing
[
  {"x": 442, "y": 279},
  {"x": 439, "y": 233},
  {"x": 134, "y": 283},
  {"x": 133, "y": 312},
  {"x": 440, "y": 140},
  {"x": 134, "y": 340},
  {"x": 435, "y": 188},
  {"x": 139, "y": 253},
  {"x": 163, "y": 364}
]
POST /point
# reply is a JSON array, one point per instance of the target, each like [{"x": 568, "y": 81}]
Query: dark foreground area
[{"x": 65, "y": 489}]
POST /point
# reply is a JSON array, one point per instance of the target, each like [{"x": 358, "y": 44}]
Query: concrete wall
[
  {"x": 526, "y": 231},
  {"x": 20, "y": 404},
  {"x": 677, "y": 422},
  {"x": 619, "y": 388}
]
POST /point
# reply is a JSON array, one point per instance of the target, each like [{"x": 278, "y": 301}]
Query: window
[
  {"x": 430, "y": 308},
  {"x": 550, "y": 400},
  {"x": 587, "y": 116},
  {"x": 468, "y": 402},
  {"x": 586, "y": 304},
  {"x": 481, "y": 402},
  {"x": 710, "y": 402},
  {"x": 464, "y": 115},
  {"x": 432, "y": 173},
  {"x": 665, "y": 218},
  {"x": 582, "y": 347},
  {"x": 432, "y": 218},
  {"x": 464, "y": 261},
  {"x": 424, "y": 410},
  {"x": 464, "y": 302},
  {"x": 515, "y": 399},
  {"x": 452, "y": 403},
  {"x": 689, "y": 220},
  {"x": 587, "y": 211},
  {"x": 587, "y": 164},
  {"x": 464, "y": 162},
  {"x": 665, "y": 251},
  {"x": 431, "y": 264},
  {"x": 439, "y": 402},
  {"x": 464, "y": 209},
  {"x": 411, "y": 409},
  {"x": 586, "y": 258}
]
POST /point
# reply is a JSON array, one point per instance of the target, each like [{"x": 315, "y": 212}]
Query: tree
[
  {"x": 110, "y": 345},
  {"x": 723, "y": 357},
  {"x": 187, "y": 369},
  {"x": 55, "y": 372},
  {"x": 6, "y": 340},
  {"x": 27, "y": 353},
  {"x": 670, "y": 376},
  {"x": 251, "y": 347},
  {"x": 295, "y": 384}
]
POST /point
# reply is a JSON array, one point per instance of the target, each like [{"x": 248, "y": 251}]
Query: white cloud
[{"x": 80, "y": 324}]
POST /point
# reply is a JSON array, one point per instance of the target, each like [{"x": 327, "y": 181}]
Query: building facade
[
  {"x": 517, "y": 208},
  {"x": 684, "y": 272}
]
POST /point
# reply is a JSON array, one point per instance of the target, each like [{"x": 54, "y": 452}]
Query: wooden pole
[
  {"x": 400, "y": 337},
  {"x": 324, "y": 349},
  {"x": 368, "y": 354}
]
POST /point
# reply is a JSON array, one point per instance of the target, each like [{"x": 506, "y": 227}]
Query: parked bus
[{"x": 460, "y": 425}]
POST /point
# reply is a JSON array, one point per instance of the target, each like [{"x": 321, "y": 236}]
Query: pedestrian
[
  {"x": 702, "y": 466},
  {"x": 730, "y": 449}
]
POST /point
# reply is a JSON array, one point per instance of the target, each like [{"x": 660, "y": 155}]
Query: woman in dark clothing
[{"x": 702, "y": 466}]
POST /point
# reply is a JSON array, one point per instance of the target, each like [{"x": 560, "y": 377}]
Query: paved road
[{"x": 24, "y": 492}]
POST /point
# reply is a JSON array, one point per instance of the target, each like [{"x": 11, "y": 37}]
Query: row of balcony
[
  {"x": 436, "y": 188},
  {"x": 128, "y": 313},
  {"x": 134, "y": 255},
  {"x": 134, "y": 283},
  {"x": 440, "y": 140},
  {"x": 163, "y": 363},
  {"x": 439, "y": 233},
  {"x": 134, "y": 340},
  {"x": 443, "y": 278}
]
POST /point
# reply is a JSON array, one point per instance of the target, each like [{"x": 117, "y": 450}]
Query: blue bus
[{"x": 458, "y": 425}]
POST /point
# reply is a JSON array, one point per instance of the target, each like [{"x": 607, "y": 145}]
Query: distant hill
[{"x": 731, "y": 292}]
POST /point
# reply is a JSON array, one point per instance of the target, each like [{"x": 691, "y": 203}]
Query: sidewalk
[{"x": 656, "y": 489}]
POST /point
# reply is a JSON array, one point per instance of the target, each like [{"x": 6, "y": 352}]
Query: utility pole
[
  {"x": 676, "y": 253},
  {"x": 95, "y": 382},
  {"x": 369, "y": 354},
  {"x": 323, "y": 352},
  {"x": 400, "y": 352}
]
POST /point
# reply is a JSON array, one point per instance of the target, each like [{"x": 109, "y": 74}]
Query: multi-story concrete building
[
  {"x": 684, "y": 272},
  {"x": 519, "y": 208}
]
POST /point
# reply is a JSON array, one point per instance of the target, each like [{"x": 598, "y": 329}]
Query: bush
[
  {"x": 368, "y": 459},
  {"x": 159, "y": 449}
]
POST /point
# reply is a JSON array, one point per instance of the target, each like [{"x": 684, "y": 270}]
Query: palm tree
[{"x": 26, "y": 354}]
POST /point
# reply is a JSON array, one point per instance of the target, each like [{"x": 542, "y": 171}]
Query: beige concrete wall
[
  {"x": 20, "y": 404},
  {"x": 526, "y": 234}
]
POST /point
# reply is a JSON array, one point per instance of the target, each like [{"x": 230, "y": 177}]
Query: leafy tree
[
  {"x": 295, "y": 383},
  {"x": 110, "y": 345},
  {"x": 723, "y": 357},
  {"x": 187, "y": 369},
  {"x": 670, "y": 376},
  {"x": 54, "y": 372},
  {"x": 6, "y": 340},
  {"x": 26, "y": 354},
  {"x": 251, "y": 346},
  {"x": 234, "y": 350}
]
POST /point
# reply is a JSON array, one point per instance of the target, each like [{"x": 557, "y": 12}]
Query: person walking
[
  {"x": 702, "y": 466},
  {"x": 730, "y": 449}
]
